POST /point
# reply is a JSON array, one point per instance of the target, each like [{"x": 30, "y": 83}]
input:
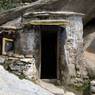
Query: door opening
[{"x": 49, "y": 52}]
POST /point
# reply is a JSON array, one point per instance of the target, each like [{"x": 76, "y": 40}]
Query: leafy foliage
[{"x": 7, "y": 4}]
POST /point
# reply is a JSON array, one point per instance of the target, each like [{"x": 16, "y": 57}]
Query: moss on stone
[{"x": 81, "y": 88}]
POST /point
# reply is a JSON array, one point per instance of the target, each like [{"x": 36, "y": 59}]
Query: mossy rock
[{"x": 80, "y": 90}]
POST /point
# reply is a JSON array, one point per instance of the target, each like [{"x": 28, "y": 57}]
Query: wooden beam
[{"x": 47, "y": 22}]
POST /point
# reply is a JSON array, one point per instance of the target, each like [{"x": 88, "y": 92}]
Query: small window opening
[{"x": 6, "y": 43}]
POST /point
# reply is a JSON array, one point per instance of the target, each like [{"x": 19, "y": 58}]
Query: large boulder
[
  {"x": 90, "y": 65},
  {"x": 2, "y": 60},
  {"x": 12, "y": 85}
]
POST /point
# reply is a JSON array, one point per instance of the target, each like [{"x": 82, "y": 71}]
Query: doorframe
[
  {"x": 58, "y": 64},
  {"x": 57, "y": 55},
  {"x": 57, "y": 22}
]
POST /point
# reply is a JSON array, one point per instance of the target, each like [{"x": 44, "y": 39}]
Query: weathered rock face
[
  {"x": 89, "y": 48},
  {"x": 90, "y": 65},
  {"x": 12, "y": 85},
  {"x": 92, "y": 87},
  {"x": 89, "y": 35},
  {"x": 2, "y": 60},
  {"x": 65, "y": 5}
]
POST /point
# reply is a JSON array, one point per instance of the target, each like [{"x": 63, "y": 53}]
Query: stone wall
[
  {"x": 73, "y": 71},
  {"x": 71, "y": 67},
  {"x": 28, "y": 44},
  {"x": 22, "y": 67}
]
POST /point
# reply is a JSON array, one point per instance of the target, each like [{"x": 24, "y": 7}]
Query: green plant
[{"x": 8, "y": 4}]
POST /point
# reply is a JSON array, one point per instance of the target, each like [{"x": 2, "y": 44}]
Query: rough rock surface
[
  {"x": 2, "y": 59},
  {"x": 92, "y": 87},
  {"x": 89, "y": 48},
  {"x": 87, "y": 7},
  {"x": 90, "y": 64},
  {"x": 89, "y": 36},
  {"x": 12, "y": 85}
]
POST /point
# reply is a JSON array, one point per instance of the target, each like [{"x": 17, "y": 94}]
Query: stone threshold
[{"x": 51, "y": 87}]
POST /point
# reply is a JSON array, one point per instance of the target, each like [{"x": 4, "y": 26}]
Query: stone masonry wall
[
  {"x": 74, "y": 73},
  {"x": 29, "y": 46}
]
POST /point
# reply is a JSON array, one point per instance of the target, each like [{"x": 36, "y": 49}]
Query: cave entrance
[{"x": 49, "y": 51}]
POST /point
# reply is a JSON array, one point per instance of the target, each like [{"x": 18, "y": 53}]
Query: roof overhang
[
  {"x": 48, "y": 18},
  {"x": 56, "y": 13}
]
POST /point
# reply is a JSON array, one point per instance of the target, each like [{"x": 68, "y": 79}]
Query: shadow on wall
[
  {"x": 89, "y": 27},
  {"x": 91, "y": 47},
  {"x": 89, "y": 36}
]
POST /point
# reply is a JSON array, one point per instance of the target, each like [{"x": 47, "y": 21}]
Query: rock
[
  {"x": 17, "y": 66},
  {"x": 92, "y": 83},
  {"x": 69, "y": 93},
  {"x": 24, "y": 68},
  {"x": 92, "y": 86},
  {"x": 10, "y": 54},
  {"x": 51, "y": 87},
  {"x": 12, "y": 58},
  {"x": 2, "y": 60},
  {"x": 21, "y": 56},
  {"x": 78, "y": 74},
  {"x": 72, "y": 71},
  {"x": 20, "y": 63},
  {"x": 29, "y": 56},
  {"x": 31, "y": 72},
  {"x": 12, "y": 85},
  {"x": 90, "y": 69},
  {"x": 18, "y": 56},
  {"x": 28, "y": 60}
]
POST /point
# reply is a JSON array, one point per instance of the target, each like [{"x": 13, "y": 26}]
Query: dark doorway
[{"x": 49, "y": 52}]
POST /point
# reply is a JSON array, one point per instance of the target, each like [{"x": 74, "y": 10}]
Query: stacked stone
[
  {"x": 28, "y": 44},
  {"x": 92, "y": 87},
  {"x": 75, "y": 72},
  {"x": 22, "y": 67}
]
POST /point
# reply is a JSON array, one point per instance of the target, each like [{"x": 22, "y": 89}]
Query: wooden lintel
[{"x": 47, "y": 22}]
